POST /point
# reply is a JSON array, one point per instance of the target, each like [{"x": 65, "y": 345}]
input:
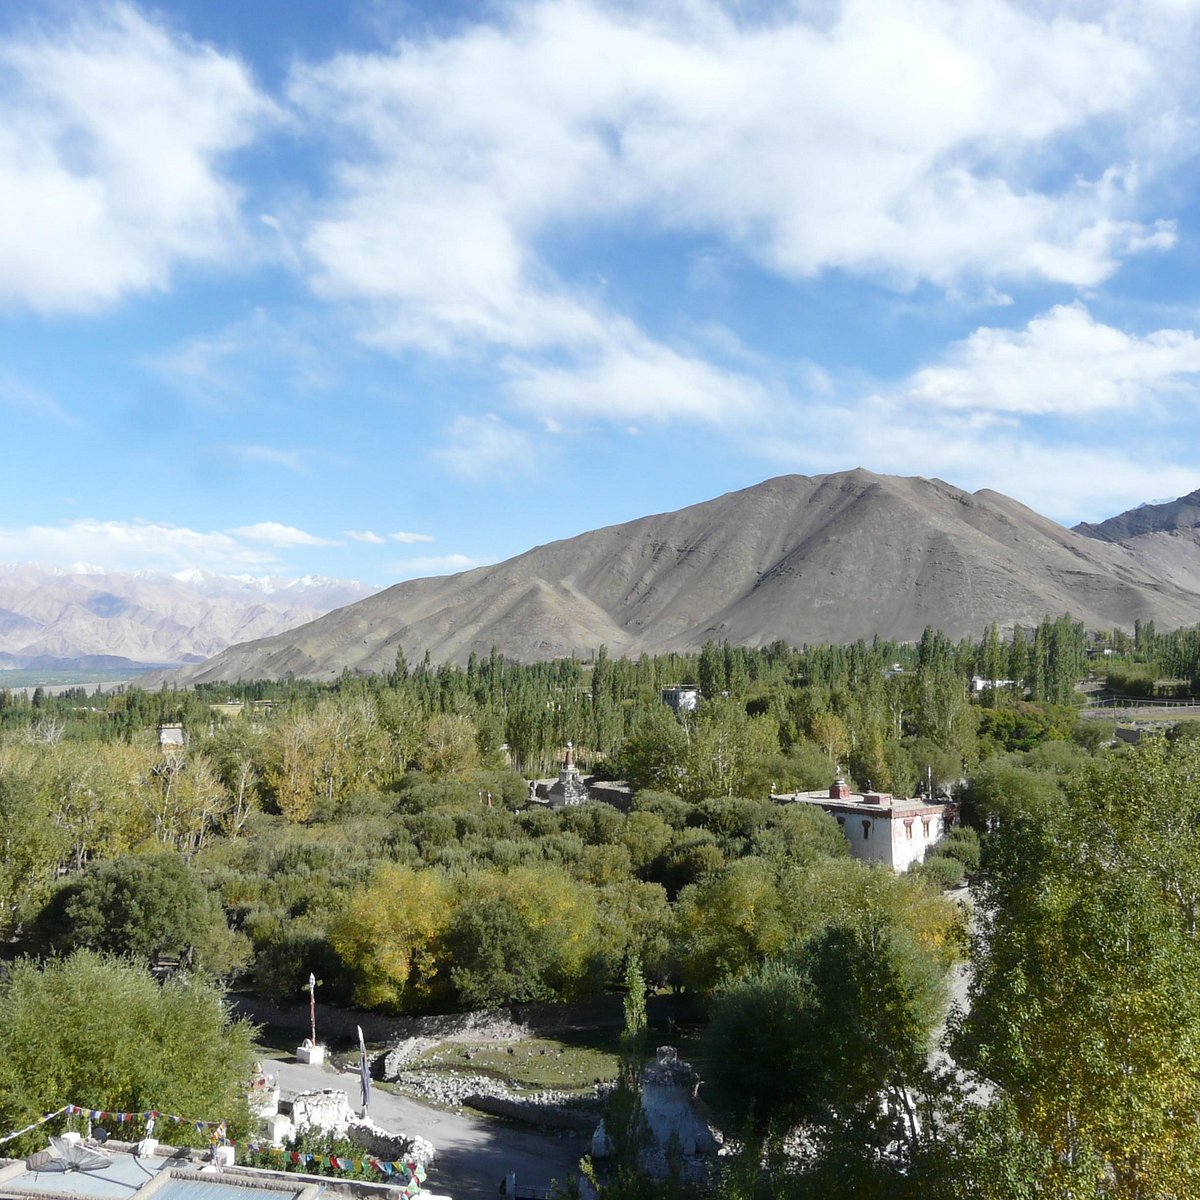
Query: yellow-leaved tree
[{"x": 390, "y": 935}]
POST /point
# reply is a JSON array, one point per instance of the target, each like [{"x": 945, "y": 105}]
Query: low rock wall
[{"x": 551, "y": 1116}]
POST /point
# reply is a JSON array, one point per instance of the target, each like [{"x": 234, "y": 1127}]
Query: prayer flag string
[
  {"x": 409, "y": 1170},
  {"x": 147, "y": 1117}
]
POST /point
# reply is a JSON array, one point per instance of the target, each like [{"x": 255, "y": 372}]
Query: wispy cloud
[
  {"x": 477, "y": 448},
  {"x": 409, "y": 539},
  {"x": 246, "y": 360},
  {"x": 16, "y": 393},
  {"x": 272, "y": 533},
  {"x": 272, "y": 456},
  {"x": 131, "y": 546},
  {"x": 365, "y": 535},
  {"x": 443, "y": 564}
]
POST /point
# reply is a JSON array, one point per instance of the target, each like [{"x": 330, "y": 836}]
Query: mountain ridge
[
  {"x": 68, "y": 617},
  {"x": 824, "y": 558},
  {"x": 1163, "y": 538}
]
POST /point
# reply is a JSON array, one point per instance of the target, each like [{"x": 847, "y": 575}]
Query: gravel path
[{"x": 473, "y": 1154}]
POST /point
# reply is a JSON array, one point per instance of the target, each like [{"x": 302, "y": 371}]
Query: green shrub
[{"x": 943, "y": 872}]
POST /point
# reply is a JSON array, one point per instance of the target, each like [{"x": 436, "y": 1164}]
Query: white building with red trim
[{"x": 880, "y": 827}]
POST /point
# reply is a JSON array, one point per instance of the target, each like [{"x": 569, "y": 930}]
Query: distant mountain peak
[
  {"x": 150, "y": 617},
  {"x": 1155, "y": 517}
]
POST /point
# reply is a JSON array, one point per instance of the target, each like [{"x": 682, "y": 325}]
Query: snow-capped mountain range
[{"x": 54, "y": 616}]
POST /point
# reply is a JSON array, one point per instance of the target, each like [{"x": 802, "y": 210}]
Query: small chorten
[{"x": 570, "y": 788}]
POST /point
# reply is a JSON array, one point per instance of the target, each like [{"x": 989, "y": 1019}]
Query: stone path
[{"x": 473, "y": 1154}]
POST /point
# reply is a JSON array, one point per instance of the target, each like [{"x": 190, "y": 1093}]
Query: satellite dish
[
  {"x": 75, "y": 1156},
  {"x": 39, "y": 1160}
]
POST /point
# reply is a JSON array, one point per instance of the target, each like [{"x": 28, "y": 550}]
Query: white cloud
[
  {"x": 1063, "y": 362},
  {"x": 480, "y": 448},
  {"x": 365, "y": 535},
  {"x": 444, "y": 564},
  {"x": 907, "y": 143},
  {"x": 130, "y": 546},
  {"x": 111, "y": 146},
  {"x": 272, "y": 533},
  {"x": 633, "y": 377},
  {"x": 409, "y": 539},
  {"x": 897, "y": 140},
  {"x": 1076, "y": 418}
]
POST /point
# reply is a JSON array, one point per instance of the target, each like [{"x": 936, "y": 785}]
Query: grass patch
[
  {"x": 277, "y": 1041},
  {"x": 533, "y": 1064}
]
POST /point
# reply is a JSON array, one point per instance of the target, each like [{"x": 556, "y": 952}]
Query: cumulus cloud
[
  {"x": 1063, "y": 362},
  {"x": 112, "y": 156},
  {"x": 1054, "y": 413},
  {"x": 906, "y": 143},
  {"x": 272, "y": 533}
]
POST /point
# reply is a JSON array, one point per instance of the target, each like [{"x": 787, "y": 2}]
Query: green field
[{"x": 21, "y": 678}]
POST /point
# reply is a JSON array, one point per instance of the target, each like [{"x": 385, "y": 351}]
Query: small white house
[
  {"x": 681, "y": 697},
  {"x": 881, "y": 827},
  {"x": 979, "y": 684}
]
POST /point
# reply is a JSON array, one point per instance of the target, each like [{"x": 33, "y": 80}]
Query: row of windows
[{"x": 908, "y": 827}]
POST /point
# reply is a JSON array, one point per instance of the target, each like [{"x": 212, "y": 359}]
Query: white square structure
[{"x": 881, "y": 827}]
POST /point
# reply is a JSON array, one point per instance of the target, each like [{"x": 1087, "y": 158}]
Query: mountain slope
[
  {"x": 1164, "y": 539},
  {"x": 1169, "y": 517},
  {"x": 826, "y": 558}
]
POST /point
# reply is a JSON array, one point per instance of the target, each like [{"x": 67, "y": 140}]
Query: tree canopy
[{"x": 98, "y": 1031}]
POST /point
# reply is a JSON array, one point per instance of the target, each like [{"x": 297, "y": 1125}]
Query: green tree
[
  {"x": 760, "y": 1045},
  {"x": 389, "y": 934},
  {"x": 654, "y": 756},
  {"x": 711, "y": 671},
  {"x": 143, "y": 907},
  {"x": 527, "y": 934},
  {"x": 838, "y": 1039},
  {"x": 1083, "y": 1013},
  {"x": 728, "y": 921},
  {"x": 1019, "y": 659},
  {"x": 100, "y": 1031},
  {"x": 31, "y": 846}
]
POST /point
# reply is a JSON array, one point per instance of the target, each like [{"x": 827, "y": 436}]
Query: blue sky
[{"x": 377, "y": 290}]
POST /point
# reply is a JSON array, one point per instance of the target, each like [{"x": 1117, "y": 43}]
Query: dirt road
[{"x": 473, "y": 1154}]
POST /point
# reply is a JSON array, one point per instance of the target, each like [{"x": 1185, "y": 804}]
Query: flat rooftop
[
  {"x": 163, "y": 1177},
  {"x": 864, "y": 802}
]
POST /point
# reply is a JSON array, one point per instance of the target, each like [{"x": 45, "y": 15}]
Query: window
[
  {"x": 866, "y": 829},
  {"x": 925, "y": 826},
  {"x": 908, "y": 828}
]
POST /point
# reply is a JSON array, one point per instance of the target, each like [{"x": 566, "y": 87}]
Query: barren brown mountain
[
  {"x": 823, "y": 559},
  {"x": 1163, "y": 538}
]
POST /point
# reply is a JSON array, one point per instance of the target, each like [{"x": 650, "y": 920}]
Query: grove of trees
[{"x": 378, "y": 832}]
